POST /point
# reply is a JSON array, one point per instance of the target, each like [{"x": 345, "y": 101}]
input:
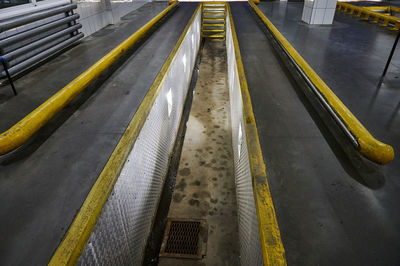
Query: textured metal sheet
[
  {"x": 249, "y": 236},
  {"x": 120, "y": 234}
]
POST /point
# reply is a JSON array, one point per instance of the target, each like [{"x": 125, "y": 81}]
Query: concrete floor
[
  {"x": 45, "y": 183},
  {"x": 350, "y": 57},
  {"x": 329, "y": 213},
  {"x": 205, "y": 184}
]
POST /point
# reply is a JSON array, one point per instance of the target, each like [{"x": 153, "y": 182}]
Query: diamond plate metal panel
[
  {"x": 249, "y": 236},
  {"x": 120, "y": 234}
]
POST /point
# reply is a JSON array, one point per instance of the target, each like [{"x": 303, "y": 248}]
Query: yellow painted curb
[
  {"x": 270, "y": 237},
  {"x": 71, "y": 247}
]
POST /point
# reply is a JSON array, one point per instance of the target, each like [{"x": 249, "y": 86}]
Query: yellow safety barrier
[
  {"x": 368, "y": 146},
  {"x": 387, "y": 10},
  {"x": 270, "y": 237},
  {"x": 368, "y": 13},
  {"x": 71, "y": 247},
  {"x": 30, "y": 124}
]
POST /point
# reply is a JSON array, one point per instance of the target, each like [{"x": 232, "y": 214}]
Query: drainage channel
[{"x": 204, "y": 192}]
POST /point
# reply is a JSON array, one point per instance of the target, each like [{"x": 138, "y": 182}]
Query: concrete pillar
[
  {"x": 107, "y": 7},
  {"x": 319, "y": 11}
]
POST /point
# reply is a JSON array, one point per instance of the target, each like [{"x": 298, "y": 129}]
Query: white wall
[{"x": 97, "y": 15}]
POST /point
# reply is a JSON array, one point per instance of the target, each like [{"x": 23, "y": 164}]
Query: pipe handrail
[
  {"x": 30, "y": 124},
  {"x": 19, "y": 21},
  {"x": 368, "y": 146},
  {"x": 369, "y": 13},
  {"x": 36, "y": 31},
  {"x": 36, "y": 44}
]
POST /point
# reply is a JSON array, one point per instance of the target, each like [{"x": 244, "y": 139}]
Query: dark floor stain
[
  {"x": 214, "y": 201},
  {"x": 185, "y": 172},
  {"x": 178, "y": 197},
  {"x": 196, "y": 183},
  {"x": 182, "y": 185},
  {"x": 193, "y": 202}
]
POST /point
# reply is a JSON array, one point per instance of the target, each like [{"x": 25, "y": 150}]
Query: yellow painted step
[
  {"x": 217, "y": 18},
  {"x": 215, "y": 30},
  {"x": 215, "y": 13},
  {"x": 213, "y": 24},
  {"x": 214, "y": 36}
]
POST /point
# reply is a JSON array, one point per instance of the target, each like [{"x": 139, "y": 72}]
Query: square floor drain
[{"x": 185, "y": 238}]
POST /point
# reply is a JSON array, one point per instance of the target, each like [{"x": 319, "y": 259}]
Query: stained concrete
[
  {"x": 43, "y": 185},
  {"x": 205, "y": 186}
]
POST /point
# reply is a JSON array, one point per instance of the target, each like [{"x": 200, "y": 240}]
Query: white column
[
  {"x": 107, "y": 7},
  {"x": 319, "y": 11}
]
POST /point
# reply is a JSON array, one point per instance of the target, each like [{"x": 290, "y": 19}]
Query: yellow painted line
[
  {"x": 270, "y": 237},
  {"x": 71, "y": 247},
  {"x": 369, "y": 147},
  {"x": 30, "y": 124}
]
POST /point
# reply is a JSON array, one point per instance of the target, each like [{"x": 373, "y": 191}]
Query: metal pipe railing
[
  {"x": 35, "y": 31},
  {"x": 27, "y": 48},
  {"x": 359, "y": 136},
  {"x": 19, "y": 21},
  {"x": 40, "y": 56},
  {"x": 30, "y": 124},
  {"x": 369, "y": 13},
  {"x": 29, "y": 8}
]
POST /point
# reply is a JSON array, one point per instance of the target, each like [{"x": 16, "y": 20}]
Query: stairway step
[
  {"x": 213, "y": 19},
  {"x": 214, "y": 36},
  {"x": 214, "y": 24},
  {"x": 214, "y": 30}
]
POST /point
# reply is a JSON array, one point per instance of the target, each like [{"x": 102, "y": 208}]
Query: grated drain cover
[{"x": 184, "y": 238}]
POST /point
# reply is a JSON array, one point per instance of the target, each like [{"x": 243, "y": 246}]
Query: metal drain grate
[{"x": 184, "y": 238}]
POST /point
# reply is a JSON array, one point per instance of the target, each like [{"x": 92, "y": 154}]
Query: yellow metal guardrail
[
  {"x": 385, "y": 10},
  {"x": 71, "y": 247},
  {"x": 368, "y": 13},
  {"x": 270, "y": 238},
  {"x": 367, "y": 145},
  {"x": 30, "y": 124}
]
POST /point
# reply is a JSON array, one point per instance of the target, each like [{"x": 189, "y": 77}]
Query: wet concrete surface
[
  {"x": 326, "y": 213},
  {"x": 43, "y": 185},
  {"x": 205, "y": 186}
]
